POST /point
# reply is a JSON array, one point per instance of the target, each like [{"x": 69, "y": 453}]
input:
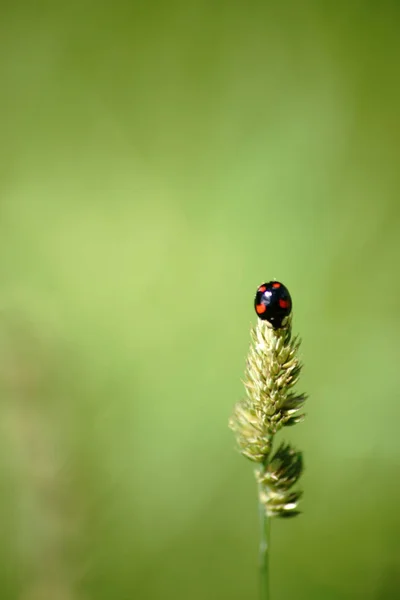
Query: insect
[{"x": 273, "y": 303}]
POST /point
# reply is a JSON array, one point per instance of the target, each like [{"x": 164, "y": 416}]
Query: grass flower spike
[{"x": 271, "y": 403}]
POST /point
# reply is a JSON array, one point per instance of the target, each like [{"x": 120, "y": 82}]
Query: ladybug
[{"x": 273, "y": 303}]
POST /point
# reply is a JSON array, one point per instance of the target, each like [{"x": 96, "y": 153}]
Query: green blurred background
[{"x": 158, "y": 162}]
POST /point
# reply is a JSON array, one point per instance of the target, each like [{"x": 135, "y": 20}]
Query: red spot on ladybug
[{"x": 273, "y": 303}]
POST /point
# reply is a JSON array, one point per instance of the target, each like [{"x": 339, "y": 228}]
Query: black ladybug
[{"x": 273, "y": 303}]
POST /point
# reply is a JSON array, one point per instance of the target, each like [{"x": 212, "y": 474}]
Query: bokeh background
[{"x": 158, "y": 162}]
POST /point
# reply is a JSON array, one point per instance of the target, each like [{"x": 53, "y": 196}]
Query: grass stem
[{"x": 264, "y": 552}]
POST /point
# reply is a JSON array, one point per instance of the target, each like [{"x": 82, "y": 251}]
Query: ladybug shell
[{"x": 273, "y": 303}]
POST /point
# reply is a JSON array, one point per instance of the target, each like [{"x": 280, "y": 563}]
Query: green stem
[{"x": 264, "y": 551}]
